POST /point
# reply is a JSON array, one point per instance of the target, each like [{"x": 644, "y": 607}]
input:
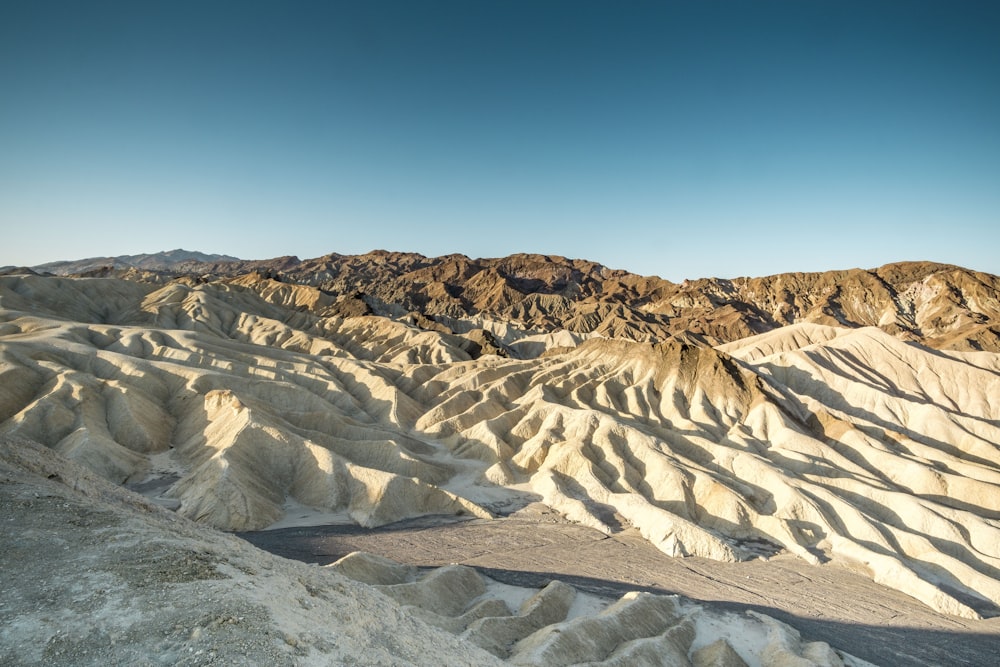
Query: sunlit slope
[
  {"x": 835, "y": 444},
  {"x": 946, "y": 307},
  {"x": 250, "y": 408},
  {"x": 704, "y": 455}
]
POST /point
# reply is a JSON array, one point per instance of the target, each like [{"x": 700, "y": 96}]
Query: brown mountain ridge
[{"x": 941, "y": 306}]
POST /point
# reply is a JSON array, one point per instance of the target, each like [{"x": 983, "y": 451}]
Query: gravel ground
[
  {"x": 93, "y": 575},
  {"x": 826, "y": 603}
]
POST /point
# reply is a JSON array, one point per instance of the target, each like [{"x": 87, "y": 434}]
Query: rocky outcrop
[{"x": 943, "y": 306}]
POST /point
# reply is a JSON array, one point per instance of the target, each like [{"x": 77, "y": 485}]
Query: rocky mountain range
[
  {"x": 848, "y": 421},
  {"x": 942, "y": 306}
]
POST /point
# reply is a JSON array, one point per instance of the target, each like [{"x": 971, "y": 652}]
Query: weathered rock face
[{"x": 942, "y": 306}]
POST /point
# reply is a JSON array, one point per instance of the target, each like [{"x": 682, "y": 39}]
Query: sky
[{"x": 678, "y": 139}]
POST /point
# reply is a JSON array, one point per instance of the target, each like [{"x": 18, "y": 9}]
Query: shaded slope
[{"x": 557, "y": 625}]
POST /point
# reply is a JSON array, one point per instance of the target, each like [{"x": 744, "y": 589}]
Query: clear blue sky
[{"x": 682, "y": 139}]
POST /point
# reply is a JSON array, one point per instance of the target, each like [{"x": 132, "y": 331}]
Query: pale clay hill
[{"x": 233, "y": 398}]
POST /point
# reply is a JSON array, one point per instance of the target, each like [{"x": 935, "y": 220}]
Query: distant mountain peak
[{"x": 168, "y": 260}]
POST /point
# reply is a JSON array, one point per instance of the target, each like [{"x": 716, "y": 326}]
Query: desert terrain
[{"x": 794, "y": 469}]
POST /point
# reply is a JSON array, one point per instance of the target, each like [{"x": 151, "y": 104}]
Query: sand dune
[{"x": 234, "y": 398}]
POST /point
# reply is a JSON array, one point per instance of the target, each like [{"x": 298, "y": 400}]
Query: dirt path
[{"x": 827, "y": 603}]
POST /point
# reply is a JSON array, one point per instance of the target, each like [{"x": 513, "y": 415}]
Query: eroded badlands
[{"x": 233, "y": 401}]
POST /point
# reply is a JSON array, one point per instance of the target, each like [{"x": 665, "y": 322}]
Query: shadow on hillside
[
  {"x": 311, "y": 544},
  {"x": 880, "y": 644}
]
